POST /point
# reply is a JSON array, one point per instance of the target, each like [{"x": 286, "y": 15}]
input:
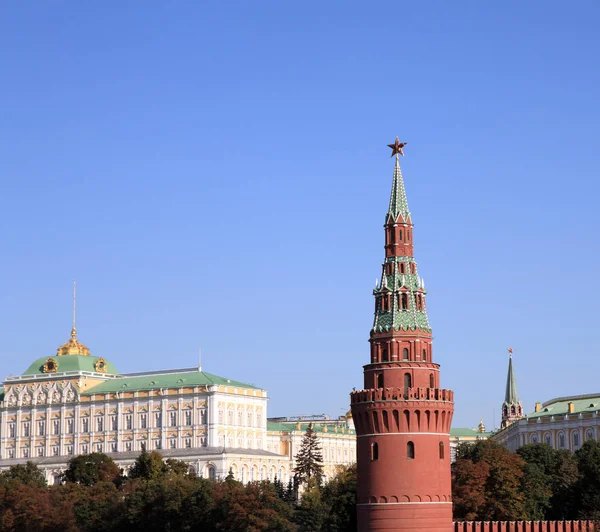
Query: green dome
[{"x": 71, "y": 363}]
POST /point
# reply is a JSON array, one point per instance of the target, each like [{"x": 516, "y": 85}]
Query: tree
[
  {"x": 502, "y": 498},
  {"x": 148, "y": 466},
  {"x": 88, "y": 469},
  {"x": 28, "y": 474},
  {"x": 339, "y": 496},
  {"x": 311, "y": 512},
  {"x": 588, "y": 486},
  {"x": 309, "y": 459}
]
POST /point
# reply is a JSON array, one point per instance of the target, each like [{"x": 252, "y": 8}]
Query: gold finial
[
  {"x": 481, "y": 426},
  {"x": 73, "y": 346},
  {"x": 509, "y": 352}
]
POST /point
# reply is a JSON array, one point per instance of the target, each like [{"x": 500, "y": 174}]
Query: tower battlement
[{"x": 401, "y": 394}]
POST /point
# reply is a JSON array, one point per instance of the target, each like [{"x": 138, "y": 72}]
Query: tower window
[
  {"x": 402, "y": 267},
  {"x": 424, "y": 357},
  {"x": 441, "y": 450},
  {"x": 380, "y": 380},
  {"x": 407, "y": 384},
  {"x": 410, "y": 450},
  {"x": 404, "y": 299},
  {"x": 405, "y": 354},
  {"x": 431, "y": 381},
  {"x": 374, "y": 451},
  {"x": 384, "y": 356},
  {"x": 401, "y": 236}
]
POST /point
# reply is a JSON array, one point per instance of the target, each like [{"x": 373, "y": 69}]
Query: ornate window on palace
[
  {"x": 70, "y": 426},
  {"x": 561, "y": 441},
  {"x": 41, "y": 428},
  {"x": 144, "y": 421},
  {"x": 128, "y": 446},
  {"x": 188, "y": 418},
  {"x": 85, "y": 424},
  {"x": 128, "y": 422},
  {"x": 11, "y": 430},
  {"x": 26, "y": 429},
  {"x": 548, "y": 439},
  {"x": 99, "y": 425},
  {"x": 114, "y": 420},
  {"x": 589, "y": 435},
  {"x": 173, "y": 419}
]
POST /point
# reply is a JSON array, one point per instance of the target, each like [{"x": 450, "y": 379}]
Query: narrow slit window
[
  {"x": 374, "y": 451},
  {"x": 410, "y": 450},
  {"x": 441, "y": 450}
]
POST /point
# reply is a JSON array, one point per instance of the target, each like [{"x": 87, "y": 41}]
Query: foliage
[
  {"x": 309, "y": 459},
  {"x": 88, "y": 469},
  {"x": 27, "y": 474},
  {"x": 498, "y": 489},
  {"x": 339, "y": 496}
]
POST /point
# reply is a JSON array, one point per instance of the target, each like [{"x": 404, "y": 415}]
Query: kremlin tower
[
  {"x": 402, "y": 417},
  {"x": 512, "y": 408}
]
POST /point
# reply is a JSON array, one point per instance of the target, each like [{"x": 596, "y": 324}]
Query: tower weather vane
[
  {"x": 509, "y": 351},
  {"x": 397, "y": 147}
]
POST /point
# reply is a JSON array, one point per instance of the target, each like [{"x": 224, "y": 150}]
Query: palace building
[
  {"x": 402, "y": 416},
  {"x": 562, "y": 423},
  {"x": 75, "y": 403}
]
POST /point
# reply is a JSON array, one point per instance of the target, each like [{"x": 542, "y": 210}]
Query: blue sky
[{"x": 216, "y": 175}]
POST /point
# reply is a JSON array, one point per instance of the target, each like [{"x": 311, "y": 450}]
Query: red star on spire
[{"x": 397, "y": 147}]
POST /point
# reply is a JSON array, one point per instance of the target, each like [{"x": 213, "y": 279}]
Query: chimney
[
  {"x": 571, "y": 407},
  {"x": 538, "y": 406}
]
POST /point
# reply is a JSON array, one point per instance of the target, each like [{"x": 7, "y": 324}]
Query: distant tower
[
  {"x": 481, "y": 426},
  {"x": 512, "y": 409},
  {"x": 402, "y": 417}
]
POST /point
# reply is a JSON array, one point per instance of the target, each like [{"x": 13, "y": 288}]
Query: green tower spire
[
  {"x": 398, "y": 201},
  {"x": 400, "y": 295},
  {"x": 511, "y": 397}
]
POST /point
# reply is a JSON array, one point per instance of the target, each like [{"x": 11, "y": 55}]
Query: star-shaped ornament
[{"x": 397, "y": 147}]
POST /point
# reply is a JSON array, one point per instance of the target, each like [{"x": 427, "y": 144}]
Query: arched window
[
  {"x": 441, "y": 450},
  {"x": 401, "y": 236},
  {"x": 534, "y": 438},
  {"x": 424, "y": 357},
  {"x": 548, "y": 439},
  {"x": 405, "y": 354},
  {"x": 410, "y": 450},
  {"x": 380, "y": 380},
  {"x": 374, "y": 451},
  {"x": 513, "y": 410},
  {"x": 211, "y": 473},
  {"x": 589, "y": 435},
  {"x": 384, "y": 355},
  {"x": 561, "y": 440},
  {"x": 404, "y": 301},
  {"x": 575, "y": 440},
  {"x": 431, "y": 381}
]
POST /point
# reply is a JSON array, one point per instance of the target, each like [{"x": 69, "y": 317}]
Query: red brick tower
[{"x": 402, "y": 417}]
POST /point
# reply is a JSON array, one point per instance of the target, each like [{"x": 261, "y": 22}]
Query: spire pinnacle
[
  {"x": 74, "y": 328},
  {"x": 398, "y": 201},
  {"x": 73, "y": 346},
  {"x": 511, "y": 396}
]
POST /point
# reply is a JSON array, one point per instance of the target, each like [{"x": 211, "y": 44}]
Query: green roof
[
  {"x": 164, "y": 380},
  {"x": 560, "y": 405},
  {"x": 464, "y": 433},
  {"x": 398, "y": 201},
  {"x": 70, "y": 363}
]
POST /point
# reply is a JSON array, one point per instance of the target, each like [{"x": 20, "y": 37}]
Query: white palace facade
[{"x": 74, "y": 403}]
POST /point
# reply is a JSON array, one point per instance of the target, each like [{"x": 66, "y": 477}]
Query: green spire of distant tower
[
  {"x": 511, "y": 396},
  {"x": 512, "y": 409}
]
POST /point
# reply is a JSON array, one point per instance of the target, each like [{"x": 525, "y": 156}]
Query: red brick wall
[{"x": 523, "y": 526}]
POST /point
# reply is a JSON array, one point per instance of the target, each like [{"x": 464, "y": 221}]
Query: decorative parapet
[
  {"x": 401, "y": 394},
  {"x": 523, "y": 526}
]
